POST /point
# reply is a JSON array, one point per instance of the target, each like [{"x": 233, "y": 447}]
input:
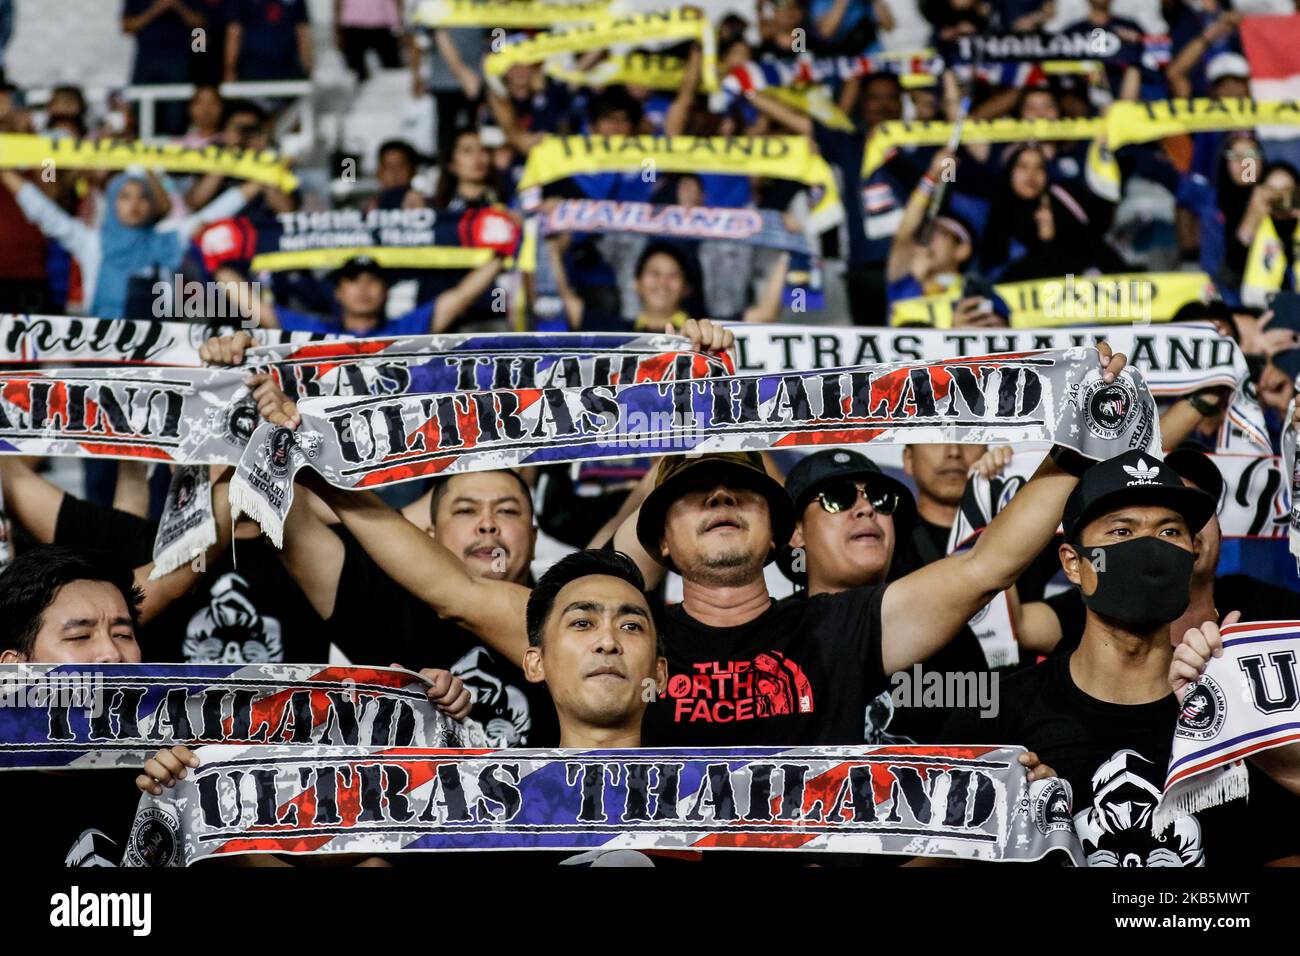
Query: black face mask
[{"x": 1142, "y": 581}]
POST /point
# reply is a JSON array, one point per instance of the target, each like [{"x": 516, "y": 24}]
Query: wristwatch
[
  {"x": 1070, "y": 461},
  {"x": 1205, "y": 409}
]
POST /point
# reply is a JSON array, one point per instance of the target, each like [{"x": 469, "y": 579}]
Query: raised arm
[
  {"x": 1180, "y": 419},
  {"x": 453, "y": 303},
  {"x": 492, "y": 610},
  {"x": 141, "y": 20},
  {"x": 504, "y": 111},
  {"x": 1179, "y": 71},
  {"x": 905, "y": 242},
  {"x": 787, "y": 116},
  {"x": 924, "y": 610},
  {"x": 312, "y": 554},
  {"x": 46, "y": 215},
  {"x": 234, "y": 40},
  {"x": 30, "y": 500},
  {"x": 471, "y": 84},
  {"x": 768, "y": 307},
  {"x": 680, "y": 110}
]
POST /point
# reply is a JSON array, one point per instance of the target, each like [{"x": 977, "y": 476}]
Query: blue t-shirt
[
  {"x": 415, "y": 322},
  {"x": 269, "y": 47}
]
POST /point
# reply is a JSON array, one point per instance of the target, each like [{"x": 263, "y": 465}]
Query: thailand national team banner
[
  {"x": 657, "y": 28},
  {"x": 893, "y": 134},
  {"x": 954, "y": 802},
  {"x": 757, "y": 227},
  {"x": 1098, "y": 44},
  {"x": 176, "y": 415},
  {"x": 510, "y": 14},
  {"x": 780, "y": 157},
  {"x": 1128, "y": 122},
  {"x": 362, "y": 443},
  {"x": 463, "y": 363},
  {"x": 1247, "y": 701},
  {"x": 69, "y": 340},
  {"x": 1116, "y": 299},
  {"x": 394, "y": 238},
  {"x": 25, "y": 151},
  {"x": 205, "y": 416},
  {"x": 77, "y": 716},
  {"x": 1124, "y": 124}
]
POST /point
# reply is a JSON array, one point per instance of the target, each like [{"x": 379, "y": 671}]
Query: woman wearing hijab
[
  {"x": 130, "y": 244},
  {"x": 1038, "y": 230},
  {"x": 1211, "y": 207}
]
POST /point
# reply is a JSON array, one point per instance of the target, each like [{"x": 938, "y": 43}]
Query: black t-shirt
[
  {"x": 377, "y": 622},
  {"x": 905, "y": 722},
  {"x": 246, "y": 609},
  {"x": 802, "y": 672},
  {"x": 1256, "y": 600},
  {"x": 1114, "y": 756},
  {"x": 79, "y": 818},
  {"x": 924, "y": 544},
  {"x": 844, "y": 151}
]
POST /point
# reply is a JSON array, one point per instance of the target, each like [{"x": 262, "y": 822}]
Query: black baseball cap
[
  {"x": 740, "y": 469},
  {"x": 356, "y": 266},
  {"x": 1135, "y": 477},
  {"x": 1194, "y": 465},
  {"x": 812, "y": 473}
]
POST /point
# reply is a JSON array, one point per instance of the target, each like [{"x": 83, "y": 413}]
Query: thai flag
[
  {"x": 1157, "y": 51},
  {"x": 1271, "y": 44},
  {"x": 879, "y": 197}
]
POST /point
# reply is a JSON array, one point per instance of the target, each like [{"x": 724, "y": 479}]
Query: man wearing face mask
[
  {"x": 1103, "y": 715},
  {"x": 1057, "y": 624}
]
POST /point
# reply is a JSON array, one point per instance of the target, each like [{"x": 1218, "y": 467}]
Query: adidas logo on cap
[{"x": 1142, "y": 474}]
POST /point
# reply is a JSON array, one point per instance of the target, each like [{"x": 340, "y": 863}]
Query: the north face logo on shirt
[{"x": 769, "y": 685}]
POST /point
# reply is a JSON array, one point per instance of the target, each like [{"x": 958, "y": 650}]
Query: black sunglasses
[{"x": 842, "y": 495}]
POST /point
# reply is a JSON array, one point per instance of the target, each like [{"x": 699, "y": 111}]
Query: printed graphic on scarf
[
  {"x": 953, "y": 802},
  {"x": 1247, "y": 701},
  {"x": 369, "y": 442},
  {"x": 75, "y": 716},
  {"x": 67, "y": 339}
]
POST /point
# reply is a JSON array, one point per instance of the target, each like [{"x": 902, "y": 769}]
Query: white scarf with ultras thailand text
[{"x": 1055, "y": 396}]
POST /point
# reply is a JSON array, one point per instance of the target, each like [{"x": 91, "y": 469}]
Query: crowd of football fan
[{"x": 438, "y": 576}]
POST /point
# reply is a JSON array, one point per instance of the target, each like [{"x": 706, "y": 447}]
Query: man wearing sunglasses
[
  {"x": 850, "y": 517},
  {"x": 745, "y": 670}
]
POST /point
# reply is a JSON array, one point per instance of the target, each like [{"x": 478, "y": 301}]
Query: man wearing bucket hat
[
  {"x": 745, "y": 670},
  {"x": 1102, "y": 715}
]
